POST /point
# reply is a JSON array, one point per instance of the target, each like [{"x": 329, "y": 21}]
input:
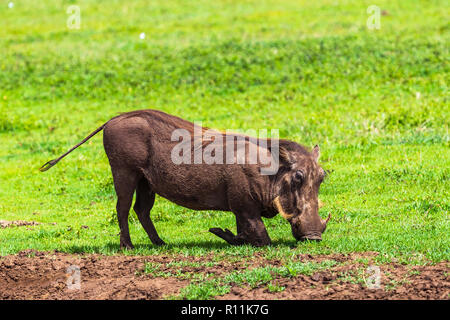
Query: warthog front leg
[
  {"x": 250, "y": 231},
  {"x": 228, "y": 236}
]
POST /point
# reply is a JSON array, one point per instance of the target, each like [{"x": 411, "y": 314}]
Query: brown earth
[
  {"x": 44, "y": 275},
  {"x": 17, "y": 223}
]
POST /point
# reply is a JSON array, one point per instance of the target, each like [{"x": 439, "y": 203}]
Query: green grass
[
  {"x": 250, "y": 278},
  {"x": 376, "y": 101}
]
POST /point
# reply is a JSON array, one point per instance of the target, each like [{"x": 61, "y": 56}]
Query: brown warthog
[{"x": 145, "y": 157}]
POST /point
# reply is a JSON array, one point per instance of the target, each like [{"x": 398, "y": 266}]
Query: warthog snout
[{"x": 309, "y": 227}]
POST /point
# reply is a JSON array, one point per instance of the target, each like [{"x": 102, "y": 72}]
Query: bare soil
[
  {"x": 17, "y": 223},
  {"x": 44, "y": 275}
]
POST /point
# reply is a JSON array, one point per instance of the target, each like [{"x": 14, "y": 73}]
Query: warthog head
[{"x": 297, "y": 188}]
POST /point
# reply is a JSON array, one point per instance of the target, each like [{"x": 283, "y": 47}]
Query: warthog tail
[{"x": 51, "y": 163}]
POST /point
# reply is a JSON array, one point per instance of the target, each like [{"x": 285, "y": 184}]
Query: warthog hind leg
[
  {"x": 145, "y": 198},
  {"x": 125, "y": 182}
]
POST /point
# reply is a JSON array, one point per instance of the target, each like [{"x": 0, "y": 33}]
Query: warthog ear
[{"x": 316, "y": 153}]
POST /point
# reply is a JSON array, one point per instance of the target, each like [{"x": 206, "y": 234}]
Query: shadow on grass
[{"x": 143, "y": 248}]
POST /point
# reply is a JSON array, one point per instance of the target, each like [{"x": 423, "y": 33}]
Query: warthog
[{"x": 140, "y": 145}]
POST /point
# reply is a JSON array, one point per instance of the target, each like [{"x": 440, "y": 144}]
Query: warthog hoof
[
  {"x": 126, "y": 246},
  {"x": 159, "y": 242}
]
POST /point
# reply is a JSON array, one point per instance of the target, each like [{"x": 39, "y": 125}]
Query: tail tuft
[
  {"x": 51, "y": 163},
  {"x": 48, "y": 165}
]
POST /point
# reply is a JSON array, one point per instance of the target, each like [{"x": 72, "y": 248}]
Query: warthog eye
[{"x": 299, "y": 176}]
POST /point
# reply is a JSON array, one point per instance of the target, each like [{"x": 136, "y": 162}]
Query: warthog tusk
[
  {"x": 325, "y": 221},
  {"x": 279, "y": 208},
  {"x": 321, "y": 204}
]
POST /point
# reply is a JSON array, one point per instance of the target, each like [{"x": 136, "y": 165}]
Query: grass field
[{"x": 376, "y": 101}]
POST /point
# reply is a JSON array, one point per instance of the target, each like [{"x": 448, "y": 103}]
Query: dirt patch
[
  {"x": 43, "y": 275},
  {"x": 17, "y": 223},
  {"x": 356, "y": 281},
  {"x": 53, "y": 275}
]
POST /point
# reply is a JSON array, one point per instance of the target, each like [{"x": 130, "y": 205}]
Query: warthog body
[{"x": 139, "y": 147}]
